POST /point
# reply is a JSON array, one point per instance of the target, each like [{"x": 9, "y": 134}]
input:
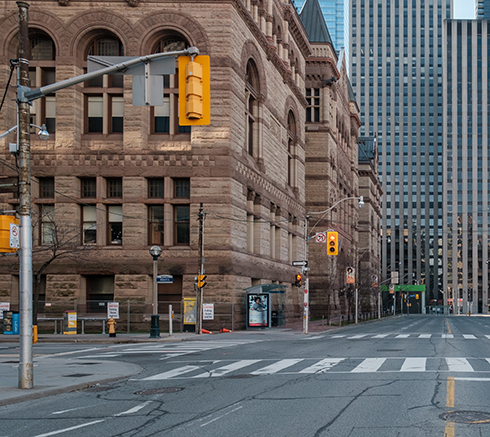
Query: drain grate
[
  {"x": 78, "y": 375},
  {"x": 469, "y": 417},
  {"x": 158, "y": 391}
]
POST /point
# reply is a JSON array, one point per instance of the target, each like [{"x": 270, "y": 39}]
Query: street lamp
[
  {"x": 155, "y": 252},
  {"x": 305, "y": 265}
]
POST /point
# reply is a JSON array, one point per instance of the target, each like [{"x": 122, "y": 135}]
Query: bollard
[{"x": 155, "y": 326}]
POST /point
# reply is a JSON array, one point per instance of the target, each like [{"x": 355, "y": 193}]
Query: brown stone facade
[{"x": 96, "y": 181}]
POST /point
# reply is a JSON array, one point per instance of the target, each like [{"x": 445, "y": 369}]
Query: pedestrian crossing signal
[{"x": 332, "y": 243}]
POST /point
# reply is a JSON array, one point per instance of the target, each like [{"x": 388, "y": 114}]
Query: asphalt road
[{"x": 411, "y": 376}]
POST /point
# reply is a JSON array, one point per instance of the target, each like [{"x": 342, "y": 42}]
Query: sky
[{"x": 464, "y": 9}]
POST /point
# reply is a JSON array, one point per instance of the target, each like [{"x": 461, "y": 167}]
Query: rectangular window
[
  {"x": 182, "y": 224},
  {"x": 156, "y": 213},
  {"x": 162, "y": 117},
  {"x": 89, "y": 218},
  {"x": 47, "y": 224},
  {"x": 46, "y": 188},
  {"x": 182, "y": 188},
  {"x": 114, "y": 188},
  {"x": 155, "y": 188},
  {"x": 95, "y": 114},
  {"x": 114, "y": 221},
  {"x": 117, "y": 114},
  {"x": 88, "y": 188},
  {"x": 50, "y": 114},
  {"x": 313, "y": 102}
]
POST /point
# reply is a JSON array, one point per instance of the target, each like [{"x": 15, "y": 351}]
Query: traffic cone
[
  {"x": 205, "y": 331},
  {"x": 225, "y": 330}
]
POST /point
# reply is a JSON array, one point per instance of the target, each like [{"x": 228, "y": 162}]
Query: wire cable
[{"x": 12, "y": 66}]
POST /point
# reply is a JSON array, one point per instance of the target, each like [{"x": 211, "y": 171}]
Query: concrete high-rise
[
  {"x": 396, "y": 72},
  {"x": 466, "y": 161}
]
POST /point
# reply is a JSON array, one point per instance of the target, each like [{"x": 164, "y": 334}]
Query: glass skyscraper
[
  {"x": 396, "y": 72},
  {"x": 336, "y": 14}
]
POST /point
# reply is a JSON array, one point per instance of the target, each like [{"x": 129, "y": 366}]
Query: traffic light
[
  {"x": 332, "y": 243},
  {"x": 299, "y": 280},
  {"x": 200, "y": 281},
  {"x": 194, "y": 90}
]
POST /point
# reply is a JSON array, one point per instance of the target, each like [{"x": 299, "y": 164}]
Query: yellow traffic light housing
[
  {"x": 299, "y": 280},
  {"x": 5, "y": 233},
  {"x": 332, "y": 243},
  {"x": 200, "y": 281},
  {"x": 194, "y": 90}
]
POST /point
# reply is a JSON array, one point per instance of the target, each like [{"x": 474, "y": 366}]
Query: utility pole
[
  {"x": 306, "y": 313},
  {"x": 25, "y": 269},
  {"x": 201, "y": 217}
]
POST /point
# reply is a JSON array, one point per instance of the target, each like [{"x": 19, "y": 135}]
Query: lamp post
[
  {"x": 155, "y": 252},
  {"x": 305, "y": 266}
]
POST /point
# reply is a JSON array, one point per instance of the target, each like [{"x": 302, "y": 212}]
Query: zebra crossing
[
  {"x": 302, "y": 366},
  {"x": 170, "y": 350},
  {"x": 399, "y": 336}
]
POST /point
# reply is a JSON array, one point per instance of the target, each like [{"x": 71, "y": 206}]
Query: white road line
[
  {"x": 171, "y": 373},
  {"x": 469, "y": 336},
  {"x": 219, "y": 417},
  {"x": 459, "y": 365},
  {"x": 220, "y": 371},
  {"x": 425, "y": 335},
  {"x": 322, "y": 366},
  {"x": 447, "y": 336},
  {"x": 81, "y": 351},
  {"x": 72, "y": 428},
  {"x": 134, "y": 409},
  {"x": 369, "y": 365},
  {"x": 414, "y": 365},
  {"x": 460, "y": 378},
  {"x": 356, "y": 336},
  {"x": 337, "y": 336},
  {"x": 403, "y": 336},
  {"x": 381, "y": 336},
  {"x": 276, "y": 367}
]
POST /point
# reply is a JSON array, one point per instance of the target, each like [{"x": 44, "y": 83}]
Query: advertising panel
[
  {"x": 258, "y": 310},
  {"x": 189, "y": 310}
]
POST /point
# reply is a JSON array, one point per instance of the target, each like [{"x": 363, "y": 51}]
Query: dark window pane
[
  {"x": 182, "y": 228},
  {"x": 116, "y": 233},
  {"x": 117, "y": 124},
  {"x": 95, "y": 124},
  {"x": 155, "y": 188},
  {"x": 182, "y": 188},
  {"x": 184, "y": 129},
  {"x": 114, "y": 187},
  {"x": 89, "y": 187},
  {"x": 156, "y": 224},
  {"x": 162, "y": 125},
  {"x": 46, "y": 188}
]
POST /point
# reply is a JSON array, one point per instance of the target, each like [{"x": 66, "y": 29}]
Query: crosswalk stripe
[
  {"x": 357, "y": 336},
  {"x": 338, "y": 336},
  {"x": 469, "y": 336},
  {"x": 220, "y": 371},
  {"x": 171, "y": 373},
  {"x": 425, "y": 335},
  {"x": 381, "y": 336},
  {"x": 276, "y": 367},
  {"x": 322, "y": 366},
  {"x": 414, "y": 365},
  {"x": 403, "y": 336},
  {"x": 447, "y": 336},
  {"x": 369, "y": 365},
  {"x": 458, "y": 365}
]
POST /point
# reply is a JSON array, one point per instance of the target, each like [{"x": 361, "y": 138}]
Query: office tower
[
  {"x": 466, "y": 161},
  {"x": 396, "y": 73},
  {"x": 336, "y": 14},
  {"x": 482, "y": 9}
]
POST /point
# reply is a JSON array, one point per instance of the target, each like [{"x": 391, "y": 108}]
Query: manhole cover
[
  {"x": 244, "y": 376},
  {"x": 470, "y": 417},
  {"x": 77, "y": 375},
  {"x": 157, "y": 391}
]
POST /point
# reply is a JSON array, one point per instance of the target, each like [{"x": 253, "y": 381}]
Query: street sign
[
  {"x": 113, "y": 310},
  {"x": 300, "y": 263},
  {"x": 165, "y": 279},
  {"x": 14, "y": 235},
  {"x": 208, "y": 311},
  {"x": 394, "y": 277},
  {"x": 321, "y": 237}
]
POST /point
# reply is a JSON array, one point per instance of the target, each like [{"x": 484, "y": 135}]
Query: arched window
[
  {"x": 104, "y": 101},
  {"x": 166, "y": 117},
  {"x": 42, "y": 72},
  {"x": 291, "y": 142},
  {"x": 252, "y": 108}
]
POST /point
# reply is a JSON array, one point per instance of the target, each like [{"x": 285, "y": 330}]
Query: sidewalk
[{"x": 56, "y": 374}]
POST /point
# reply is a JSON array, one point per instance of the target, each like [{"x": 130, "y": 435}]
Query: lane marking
[
  {"x": 425, "y": 335},
  {"x": 469, "y": 336},
  {"x": 381, "y": 336},
  {"x": 414, "y": 365},
  {"x": 223, "y": 415},
  {"x": 220, "y": 371},
  {"x": 459, "y": 365},
  {"x": 369, "y": 365},
  {"x": 461, "y": 378},
  {"x": 356, "y": 336},
  {"x": 322, "y": 366},
  {"x": 171, "y": 373},
  {"x": 134, "y": 409},
  {"x": 403, "y": 336},
  {"x": 449, "y": 430},
  {"x": 60, "y": 431},
  {"x": 447, "y": 336},
  {"x": 448, "y": 327},
  {"x": 276, "y": 367}
]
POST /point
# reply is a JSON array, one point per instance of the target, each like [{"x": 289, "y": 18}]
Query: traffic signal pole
[
  {"x": 306, "y": 313},
  {"x": 201, "y": 217}
]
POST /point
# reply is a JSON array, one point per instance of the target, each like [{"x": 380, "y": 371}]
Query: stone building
[
  {"x": 115, "y": 179},
  {"x": 338, "y": 171}
]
